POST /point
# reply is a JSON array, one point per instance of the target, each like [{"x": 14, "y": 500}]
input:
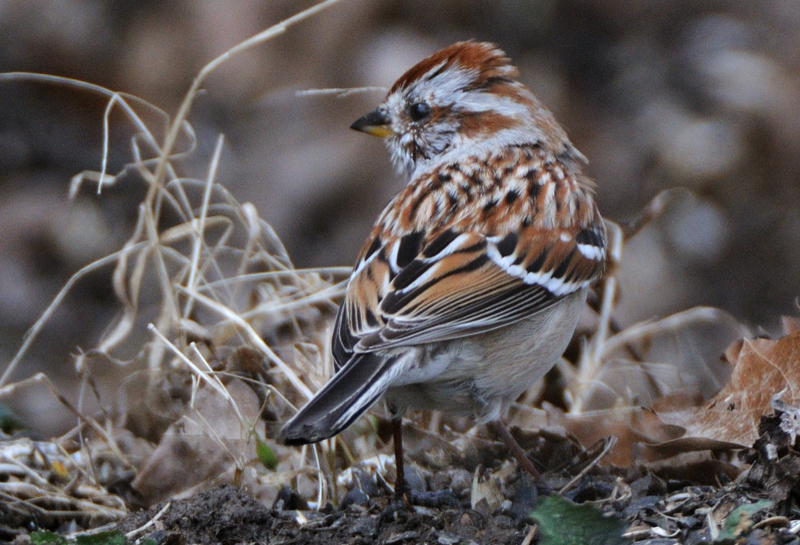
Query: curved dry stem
[
  {"x": 113, "y": 96},
  {"x": 34, "y": 331},
  {"x": 200, "y": 223},
  {"x": 340, "y": 92},
  {"x": 675, "y": 321},
  {"x": 186, "y": 105}
]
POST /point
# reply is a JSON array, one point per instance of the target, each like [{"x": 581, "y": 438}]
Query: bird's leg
[
  {"x": 404, "y": 496},
  {"x": 400, "y": 486},
  {"x": 499, "y": 428}
]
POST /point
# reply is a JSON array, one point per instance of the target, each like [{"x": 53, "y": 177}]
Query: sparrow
[{"x": 471, "y": 283}]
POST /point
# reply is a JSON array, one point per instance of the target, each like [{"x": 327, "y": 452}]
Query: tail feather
[{"x": 348, "y": 395}]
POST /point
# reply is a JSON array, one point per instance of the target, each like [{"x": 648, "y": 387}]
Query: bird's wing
[{"x": 462, "y": 283}]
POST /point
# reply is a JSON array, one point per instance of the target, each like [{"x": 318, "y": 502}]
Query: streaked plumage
[{"x": 470, "y": 285}]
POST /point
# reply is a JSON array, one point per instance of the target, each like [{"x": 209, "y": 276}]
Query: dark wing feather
[{"x": 348, "y": 395}]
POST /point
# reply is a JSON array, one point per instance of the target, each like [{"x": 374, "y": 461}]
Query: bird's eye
[{"x": 419, "y": 111}]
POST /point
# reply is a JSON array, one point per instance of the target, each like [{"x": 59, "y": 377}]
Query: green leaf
[
  {"x": 739, "y": 521},
  {"x": 9, "y": 423},
  {"x": 102, "y": 538},
  {"x": 266, "y": 454},
  {"x": 45, "y": 537},
  {"x": 562, "y": 522}
]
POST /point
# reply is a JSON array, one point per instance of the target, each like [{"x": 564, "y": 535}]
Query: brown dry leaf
[
  {"x": 763, "y": 368},
  {"x": 642, "y": 436},
  {"x": 487, "y": 487},
  {"x": 622, "y": 382},
  {"x": 633, "y": 427},
  {"x": 202, "y": 445}
]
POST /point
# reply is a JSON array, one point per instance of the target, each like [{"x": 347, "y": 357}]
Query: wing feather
[
  {"x": 471, "y": 287},
  {"x": 348, "y": 395}
]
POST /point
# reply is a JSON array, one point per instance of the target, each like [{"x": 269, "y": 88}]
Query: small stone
[
  {"x": 365, "y": 526},
  {"x": 399, "y": 538},
  {"x": 356, "y": 496},
  {"x": 446, "y": 538}
]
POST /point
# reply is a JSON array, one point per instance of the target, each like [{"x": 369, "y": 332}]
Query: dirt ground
[
  {"x": 658, "y": 507},
  {"x": 229, "y": 515},
  {"x": 748, "y": 496}
]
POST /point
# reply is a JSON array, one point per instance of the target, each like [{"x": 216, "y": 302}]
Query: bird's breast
[{"x": 483, "y": 374}]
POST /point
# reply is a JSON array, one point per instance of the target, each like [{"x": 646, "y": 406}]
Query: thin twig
[
  {"x": 610, "y": 443},
  {"x": 151, "y": 522},
  {"x": 654, "y": 209},
  {"x": 34, "y": 331},
  {"x": 340, "y": 92},
  {"x": 200, "y": 224}
]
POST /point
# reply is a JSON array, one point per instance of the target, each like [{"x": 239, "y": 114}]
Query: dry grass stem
[
  {"x": 218, "y": 279},
  {"x": 341, "y": 92},
  {"x": 610, "y": 443},
  {"x": 133, "y": 533}
]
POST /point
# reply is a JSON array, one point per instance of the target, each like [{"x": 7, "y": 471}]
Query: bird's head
[{"x": 457, "y": 102}]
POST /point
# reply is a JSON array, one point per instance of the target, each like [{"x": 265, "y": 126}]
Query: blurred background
[{"x": 702, "y": 95}]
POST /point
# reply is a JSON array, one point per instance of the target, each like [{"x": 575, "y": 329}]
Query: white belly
[{"x": 483, "y": 374}]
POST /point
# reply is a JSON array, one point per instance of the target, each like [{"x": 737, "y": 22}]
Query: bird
[{"x": 470, "y": 285}]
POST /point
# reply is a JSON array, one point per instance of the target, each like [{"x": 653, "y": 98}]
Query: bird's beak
[{"x": 375, "y": 123}]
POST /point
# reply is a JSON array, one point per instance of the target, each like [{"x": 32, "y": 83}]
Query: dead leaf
[
  {"x": 202, "y": 445},
  {"x": 633, "y": 427},
  {"x": 488, "y": 488},
  {"x": 631, "y": 384},
  {"x": 763, "y": 368}
]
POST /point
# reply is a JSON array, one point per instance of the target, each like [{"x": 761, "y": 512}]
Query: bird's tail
[{"x": 348, "y": 395}]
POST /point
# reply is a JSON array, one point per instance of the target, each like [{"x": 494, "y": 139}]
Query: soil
[
  {"x": 228, "y": 515},
  {"x": 686, "y": 503},
  {"x": 747, "y": 497}
]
